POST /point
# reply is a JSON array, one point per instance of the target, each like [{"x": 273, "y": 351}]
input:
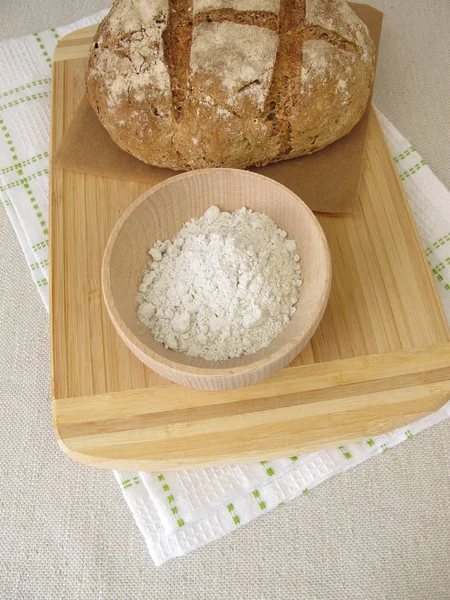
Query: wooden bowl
[{"x": 159, "y": 214}]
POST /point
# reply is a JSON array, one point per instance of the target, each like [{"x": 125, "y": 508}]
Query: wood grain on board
[{"x": 380, "y": 358}]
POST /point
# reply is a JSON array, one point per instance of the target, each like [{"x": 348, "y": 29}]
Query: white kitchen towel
[
  {"x": 178, "y": 512},
  {"x": 25, "y": 76}
]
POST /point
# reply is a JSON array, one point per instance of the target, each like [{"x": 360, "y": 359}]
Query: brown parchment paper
[{"x": 327, "y": 180}]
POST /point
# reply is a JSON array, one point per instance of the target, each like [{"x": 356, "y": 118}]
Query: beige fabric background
[{"x": 380, "y": 531}]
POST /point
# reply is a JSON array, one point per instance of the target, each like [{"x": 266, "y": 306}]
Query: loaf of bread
[{"x": 187, "y": 84}]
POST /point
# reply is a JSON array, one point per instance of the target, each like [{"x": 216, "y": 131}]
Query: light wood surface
[
  {"x": 158, "y": 215},
  {"x": 379, "y": 359}
]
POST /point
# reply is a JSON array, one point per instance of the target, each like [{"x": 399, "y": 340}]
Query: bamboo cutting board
[{"x": 380, "y": 358}]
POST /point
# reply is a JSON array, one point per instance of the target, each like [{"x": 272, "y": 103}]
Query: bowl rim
[{"x": 130, "y": 339}]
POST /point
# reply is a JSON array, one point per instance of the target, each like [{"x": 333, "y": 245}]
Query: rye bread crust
[{"x": 187, "y": 84}]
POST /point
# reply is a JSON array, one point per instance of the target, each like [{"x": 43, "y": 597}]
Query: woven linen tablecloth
[{"x": 178, "y": 512}]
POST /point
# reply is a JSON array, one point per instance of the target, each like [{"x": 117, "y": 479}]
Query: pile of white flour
[{"x": 226, "y": 285}]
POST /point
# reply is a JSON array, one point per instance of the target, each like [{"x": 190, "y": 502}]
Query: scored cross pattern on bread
[{"x": 197, "y": 83}]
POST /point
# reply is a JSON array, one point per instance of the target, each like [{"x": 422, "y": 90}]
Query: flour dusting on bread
[
  {"x": 262, "y": 5},
  {"x": 222, "y": 50},
  {"x": 321, "y": 61},
  {"x": 136, "y": 64},
  {"x": 337, "y": 15}
]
